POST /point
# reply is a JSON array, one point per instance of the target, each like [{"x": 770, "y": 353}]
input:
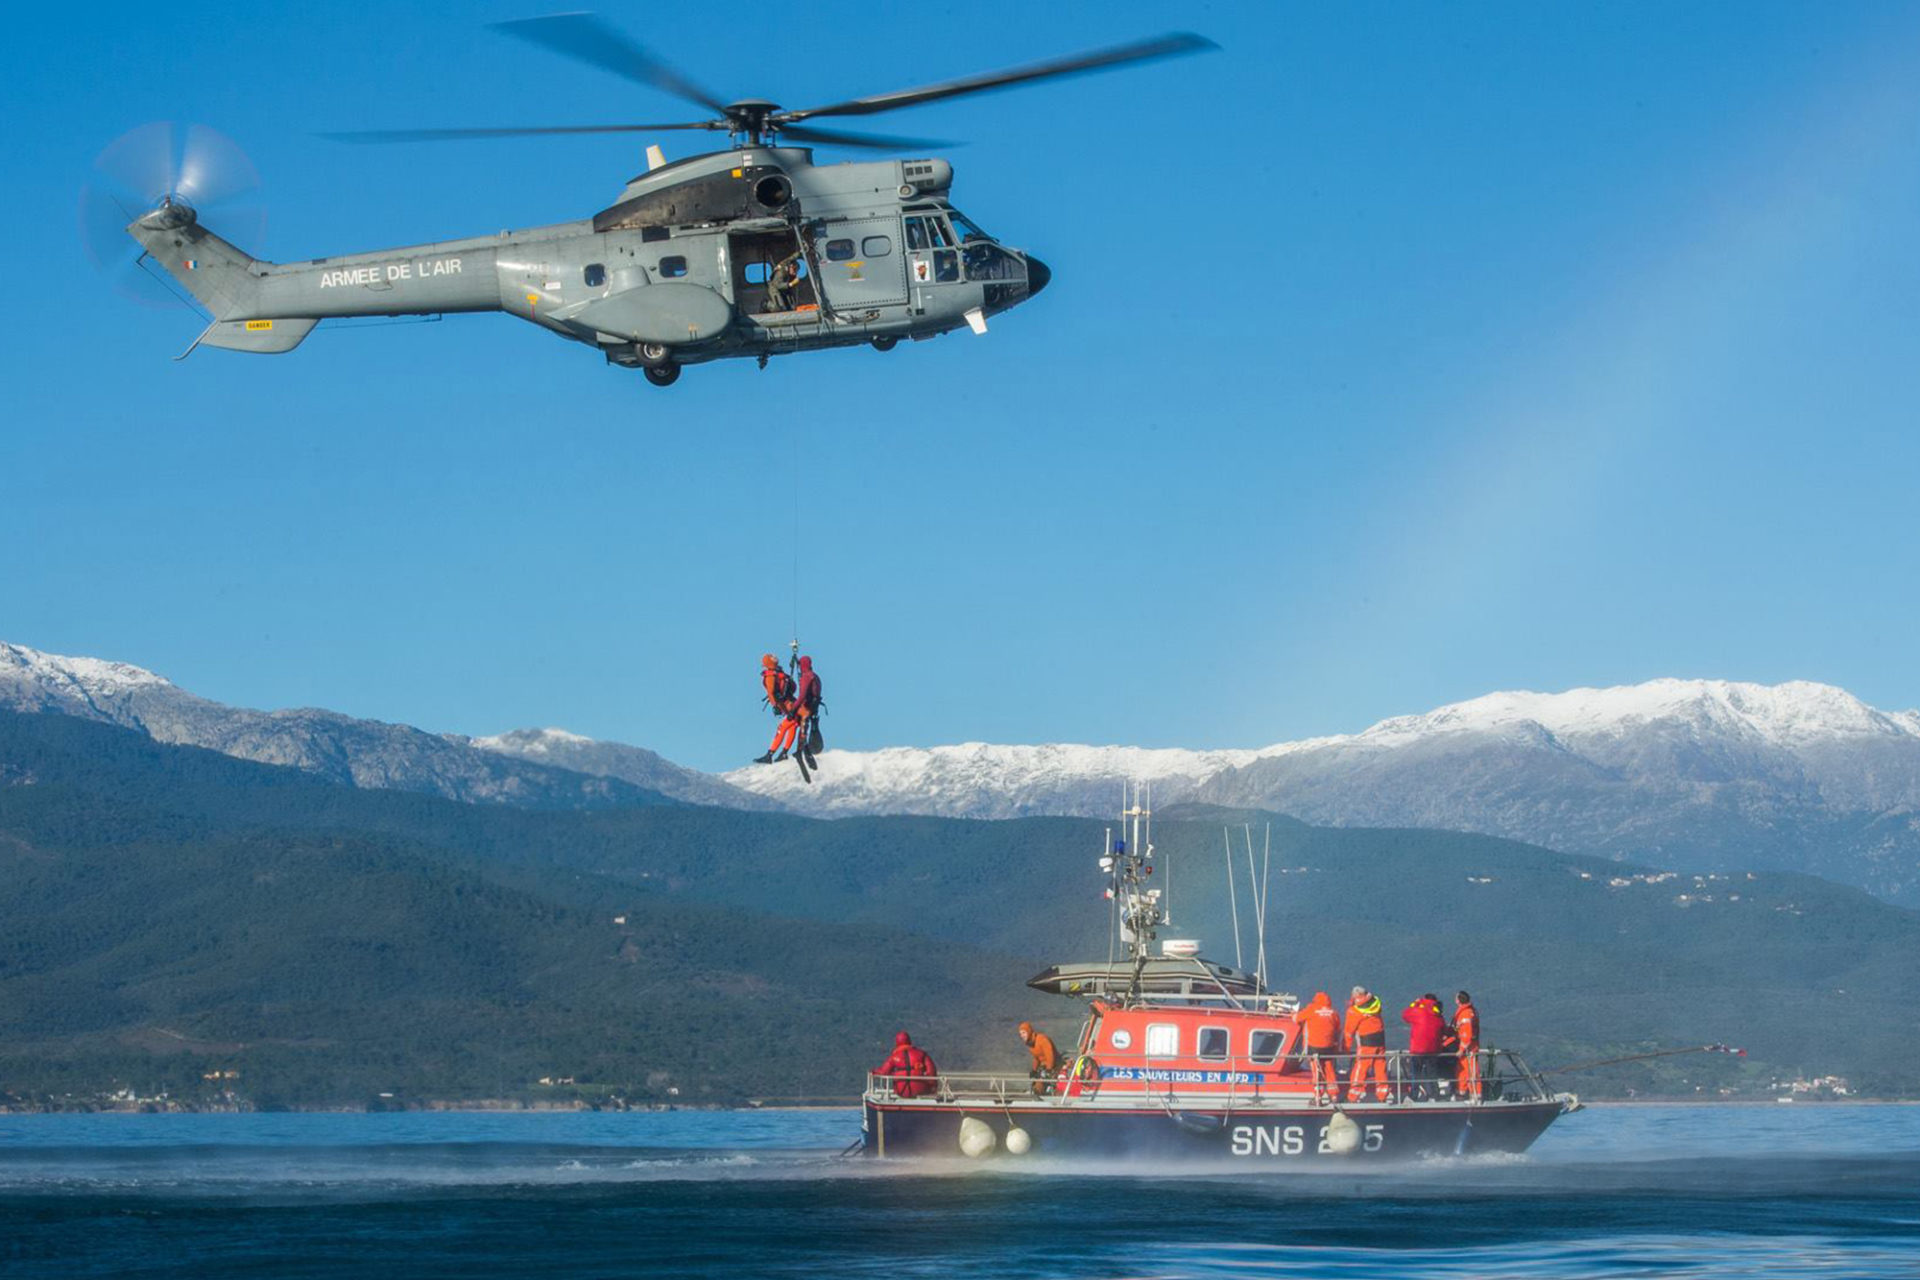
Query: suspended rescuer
[
  {"x": 806, "y": 704},
  {"x": 1466, "y": 1032},
  {"x": 779, "y": 690},
  {"x": 1046, "y": 1058},
  {"x": 1426, "y": 1029},
  {"x": 911, "y": 1069},
  {"x": 1366, "y": 1039},
  {"x": 1321, "y": 1024}
]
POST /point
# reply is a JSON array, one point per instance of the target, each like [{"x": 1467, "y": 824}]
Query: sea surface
[{"x": 1618, "y": 1192}]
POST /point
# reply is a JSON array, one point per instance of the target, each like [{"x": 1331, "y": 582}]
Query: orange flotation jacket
[
  {"x": 777, "y": 683},
  {"x": 1466, "y": 1026},
  {"x": 1363, "y": 1025},
  {"x": 1321, "y": 1023}
]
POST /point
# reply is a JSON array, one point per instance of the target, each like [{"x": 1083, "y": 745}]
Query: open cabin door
[{"x": 756, "y": 255}]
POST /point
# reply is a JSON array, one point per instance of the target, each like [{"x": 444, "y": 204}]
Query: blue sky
[{"x": 1394, "y": 354}]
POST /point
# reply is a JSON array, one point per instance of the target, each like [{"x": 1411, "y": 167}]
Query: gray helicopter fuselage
[{"x": 755, "y": 251}]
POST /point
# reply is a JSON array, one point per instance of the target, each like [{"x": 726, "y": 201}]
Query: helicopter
[{"x": 752, "y": 251}]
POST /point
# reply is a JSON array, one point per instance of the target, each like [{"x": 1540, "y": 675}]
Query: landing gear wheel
[
  {"x": 884, "y": 344},
  {"x": 662, "y": 375},
  {"x": 654, "y": 355}
]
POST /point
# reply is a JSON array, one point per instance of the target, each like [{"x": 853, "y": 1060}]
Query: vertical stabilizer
[{"x": 213, "y": 271}]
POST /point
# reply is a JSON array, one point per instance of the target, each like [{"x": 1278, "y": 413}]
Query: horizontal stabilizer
[{"x": 264, "y": 337}]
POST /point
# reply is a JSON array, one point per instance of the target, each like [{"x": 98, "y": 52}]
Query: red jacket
[
  {"x": 807, "y": 692},
  {"x": 1425, "y": 1026},
  {"x": 909, "y": 1059}
]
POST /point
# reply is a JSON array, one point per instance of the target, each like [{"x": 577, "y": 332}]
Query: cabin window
[
  {"x": 674, "y": 267},
  {"x": 1266, "y": 1045},
  {"x": 1213, "y": 1042},
  {"x": 595, "y": 275},
  {"x": 1121, "y": 1039},
  {"x": 1163, "y": 1040},
  {"x": 839, "y": 250},
  {"x": 876, "y": 246}
]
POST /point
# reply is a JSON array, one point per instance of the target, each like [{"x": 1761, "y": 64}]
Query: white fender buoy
[
  {"x": 976, "y": 1137},
  {"x": 1343, "y": 1135},
  {"x": 1019, "y": 1141}
]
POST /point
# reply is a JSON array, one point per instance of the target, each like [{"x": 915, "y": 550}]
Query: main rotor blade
[
  {"x": 878, "y": 141},
  {"x": 456, "y": 135},
  {"x": 585, "y": 38},
  {"x": 1170, "y": 45}
]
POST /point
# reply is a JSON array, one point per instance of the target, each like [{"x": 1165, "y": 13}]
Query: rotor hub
[{"x": 750, "y": 117}]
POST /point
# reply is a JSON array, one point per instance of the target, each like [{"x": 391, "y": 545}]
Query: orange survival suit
[
  {"x": 1366, "y": 1039},
  {"x": 1321, "y": 1025},
  {"x": 779, "y": 687},
  {"x": 1466, "y": 1028}
]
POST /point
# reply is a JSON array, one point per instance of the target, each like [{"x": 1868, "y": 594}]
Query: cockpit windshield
[{"x": 966, "y": 227}]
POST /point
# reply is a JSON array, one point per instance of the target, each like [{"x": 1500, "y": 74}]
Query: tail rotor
[{"x": 159, "y": 163}]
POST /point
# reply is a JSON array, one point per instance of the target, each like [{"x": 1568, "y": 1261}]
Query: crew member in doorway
[
  {"x": 806, "y": 706},
  {"x": 1466, "y": 1030},
  {"x": 1426, "y": 1027},
  {"x": 779, "y": 690},
  {"x": 1321, "y": 1024},
  {"x": 1366, "y": 1040},
  {"x": 783, "y": 283},
  {"x": 1046, "y": 1058},
  {"x": 910, "y": 1069}
]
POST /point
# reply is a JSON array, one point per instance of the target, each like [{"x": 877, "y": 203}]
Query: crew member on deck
[
  {"x": 1426, "y": 1025},
  {"x": 912, "y": 1070},
  {"x": 1466, "y": 1029},
  {"x": 1321, "y": 1023},
  {"x": 1366, "y": 1040},
  {"x": 1046, "y": 1058}
]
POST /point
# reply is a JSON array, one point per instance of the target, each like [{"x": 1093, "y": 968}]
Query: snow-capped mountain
[
  {"x": 982, "y": 780},
  {"x": 1694, "y": 774},
  {"x": 1698, "y": 775},
  {"x": 362, "y": 753}
]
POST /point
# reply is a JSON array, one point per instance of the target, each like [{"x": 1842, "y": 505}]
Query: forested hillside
[{"x": 165, "y": 911}]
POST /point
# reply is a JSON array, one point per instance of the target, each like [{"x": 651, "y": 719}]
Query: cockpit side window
[
  {"x": 916, "y": 234},
  {"x": 988, "y": 261},
  {"x": 937, "y": 232},
  {"x": 968, "y": 230}
]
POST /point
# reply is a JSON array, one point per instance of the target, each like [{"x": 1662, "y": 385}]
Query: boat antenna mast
[{"x": 1139, "y": 911}]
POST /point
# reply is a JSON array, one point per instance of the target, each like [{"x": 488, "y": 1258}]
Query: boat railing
[{"x": 1412, "y": 1080}]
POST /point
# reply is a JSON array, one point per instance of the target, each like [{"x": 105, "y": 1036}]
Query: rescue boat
[{"x": 1185, "y": 1059}]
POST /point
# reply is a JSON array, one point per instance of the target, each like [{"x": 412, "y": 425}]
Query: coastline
[{"x": 502, "y": 1106}]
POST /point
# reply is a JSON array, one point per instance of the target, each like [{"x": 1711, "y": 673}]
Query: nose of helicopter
[{"x": 1038, "y": 275}]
